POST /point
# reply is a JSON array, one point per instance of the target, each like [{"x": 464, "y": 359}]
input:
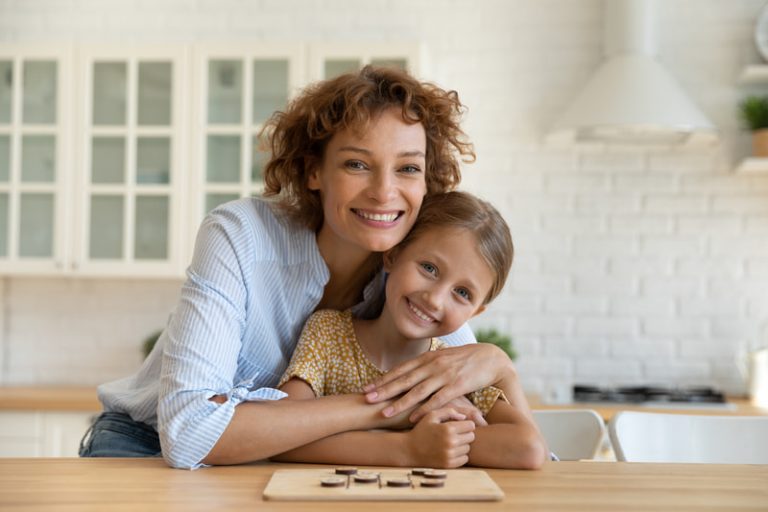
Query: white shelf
[
  {"x": 753, "y": 165},
  {"x": 754, "y": 74}
]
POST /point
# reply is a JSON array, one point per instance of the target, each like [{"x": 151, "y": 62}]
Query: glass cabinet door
[
  {"x": 32, "y": 167},
  {"x": 242, "y": 90},
  {"x": 131, "y": 172},
  {"x": 331, "y": 60}
]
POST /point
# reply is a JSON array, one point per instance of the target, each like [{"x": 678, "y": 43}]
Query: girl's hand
[
  {"x": 464, "y": 405},
  {"x": 441, "y": 439},
  {"x": 439, "y": 376}
]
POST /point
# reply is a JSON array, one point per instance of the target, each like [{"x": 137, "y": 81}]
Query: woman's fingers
[{"x": 399, "y": 379}]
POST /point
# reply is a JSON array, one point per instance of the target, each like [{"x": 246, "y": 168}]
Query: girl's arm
[
  {"x": 441, "y": 439},
  {"x": 511, "y": 440}
]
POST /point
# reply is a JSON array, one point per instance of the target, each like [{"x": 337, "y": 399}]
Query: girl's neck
[
  {"x": 383, "y": 344},
  {"x": 350, "y": 268}
]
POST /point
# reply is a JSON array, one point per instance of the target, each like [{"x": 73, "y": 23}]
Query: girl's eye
[
  {"x": 464, "y": 294},
  {"x": 429, "y": 268},
  {"x": 355, "y": 164}
]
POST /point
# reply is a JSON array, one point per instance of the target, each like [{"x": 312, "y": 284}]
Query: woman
[{"x": 351, "y": 160}]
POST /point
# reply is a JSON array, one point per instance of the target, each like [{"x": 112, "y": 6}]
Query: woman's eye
[
  {"x": 464, "y": 294},
  {"x": 429, "y": 268},
  {"x": 410, "y": 169}
]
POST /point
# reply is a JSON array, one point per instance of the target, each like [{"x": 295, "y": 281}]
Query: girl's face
[
  {"x": 371, "y": 186},
  {"x": 436, "y": 283}
]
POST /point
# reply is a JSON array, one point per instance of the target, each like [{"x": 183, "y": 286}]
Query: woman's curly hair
[{"x": 297, "y": 138}]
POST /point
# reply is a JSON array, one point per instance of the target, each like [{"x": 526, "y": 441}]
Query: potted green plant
[
  {"x": 494, "y": 337},
  {"x": 754, "y": 114}
]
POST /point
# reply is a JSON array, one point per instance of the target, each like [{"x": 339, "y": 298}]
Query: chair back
[
  {"x": 572, "y": 434},
  {"x": 657, "y": 437}
]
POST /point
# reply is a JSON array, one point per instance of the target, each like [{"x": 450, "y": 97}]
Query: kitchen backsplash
[{"x": 632, "y": 265}]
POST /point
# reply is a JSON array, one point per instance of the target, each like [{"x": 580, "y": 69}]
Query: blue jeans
[{"x": 115, "y": 434}]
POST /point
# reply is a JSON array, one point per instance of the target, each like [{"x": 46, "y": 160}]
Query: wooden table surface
[{"x": 149, "y": 485}]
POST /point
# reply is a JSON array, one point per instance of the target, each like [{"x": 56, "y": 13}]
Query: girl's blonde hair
[
  {"x": 297, "y": 138},
  {"x": 466, "y": 211}
]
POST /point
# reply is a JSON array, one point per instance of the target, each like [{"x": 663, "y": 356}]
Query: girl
[
  {"x": 450, "y": 266},
  {"x": 351, "y": 160}
]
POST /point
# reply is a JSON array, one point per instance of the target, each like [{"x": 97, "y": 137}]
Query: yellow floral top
[{"x": 329, "y": 358}]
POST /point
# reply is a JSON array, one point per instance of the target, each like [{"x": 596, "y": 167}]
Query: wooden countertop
[
  {"x": 736, "y": 406},
  {"x": 149, "y": 485},
  {"x": 64, "y": 398},
  {"x": 49, "y": 398}
]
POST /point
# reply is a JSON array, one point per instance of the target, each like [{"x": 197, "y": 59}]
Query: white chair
[
  {"x": 655, "y": 437},
  {"x": 572, "y": 434}
]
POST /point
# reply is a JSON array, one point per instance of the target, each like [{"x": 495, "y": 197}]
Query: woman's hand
[
  {"x": 439, "y": 377},
  {"x": 441, "y": 439}
]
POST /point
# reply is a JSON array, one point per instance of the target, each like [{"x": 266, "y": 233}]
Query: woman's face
[{"x": 371, "y": 185}]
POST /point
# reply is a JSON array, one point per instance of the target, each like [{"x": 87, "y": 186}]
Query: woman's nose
[{"x": 382, "y": 187}]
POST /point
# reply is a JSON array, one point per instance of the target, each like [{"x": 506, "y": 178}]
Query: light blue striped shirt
[{"x": 254, "y": 279}]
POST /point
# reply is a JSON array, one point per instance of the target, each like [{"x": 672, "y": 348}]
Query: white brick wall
[{"x": 633, "y": 265}]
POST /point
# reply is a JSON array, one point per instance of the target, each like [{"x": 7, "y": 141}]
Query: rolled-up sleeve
[{"x": 202, "y": 346}]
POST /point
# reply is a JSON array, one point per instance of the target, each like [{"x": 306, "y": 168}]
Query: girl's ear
[{"x": 479, "y": 310}]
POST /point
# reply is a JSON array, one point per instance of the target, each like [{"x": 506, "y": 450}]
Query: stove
[{"x": 649, "y": 395}]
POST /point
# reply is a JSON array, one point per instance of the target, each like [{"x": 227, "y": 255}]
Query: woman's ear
[{"x": 313, "y": 178}]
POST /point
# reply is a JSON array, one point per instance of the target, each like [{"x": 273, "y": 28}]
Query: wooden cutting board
[{"x": 304, "y": 485}]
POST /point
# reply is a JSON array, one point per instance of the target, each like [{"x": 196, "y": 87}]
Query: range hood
[{"x": 632, "y": 99}]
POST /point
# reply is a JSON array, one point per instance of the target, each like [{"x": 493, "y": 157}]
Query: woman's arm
[
  {"x": 511, "y": 440},
  {"x": 259, "y": 430},
  {"x": 433, "y": 442},
  {"x": 441, "y": 440},
  {"x": 440, "y": 376}
]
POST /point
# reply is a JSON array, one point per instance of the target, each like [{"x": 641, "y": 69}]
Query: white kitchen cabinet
[
  {"x": 111, "y": 156},
  {"x": 240, "y": 87},
  {"x": 42, "y": 433},
  {"x": 132, "y": 170},
  {"x": 35, "y": 158},
  {"x": 330, "y": 60}
]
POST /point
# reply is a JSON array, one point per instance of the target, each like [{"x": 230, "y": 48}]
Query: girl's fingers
[
  {"x": 436, "y": 401},
  {"x": 445, "y": 414}
]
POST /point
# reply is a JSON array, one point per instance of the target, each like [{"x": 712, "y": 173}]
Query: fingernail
[
  {"x": 372, "y": 395},
  {"x": 388, "y": 412}
]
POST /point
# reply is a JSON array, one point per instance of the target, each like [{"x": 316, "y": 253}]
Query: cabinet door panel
[
  {"x": 36, "y": 221},
  {"x": 5, "y": 158},
  {"x": 108, "y": 160},
  {"x": 225, "y": 91},
  {"x": 40, "y": 85},
  {"x": 6, "y": 90},
  {"x": 38, "y": 158},
  {"x": 153, "y": 160},
  {"x": 151, "y": 240},
  {"x": 4, "y": 222},
  {"x": 155, "y": 81},
  {"x": 223, "y": 159},
  {"x": 110, "y": 93},
  {"x": 107, "y": 221}
]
